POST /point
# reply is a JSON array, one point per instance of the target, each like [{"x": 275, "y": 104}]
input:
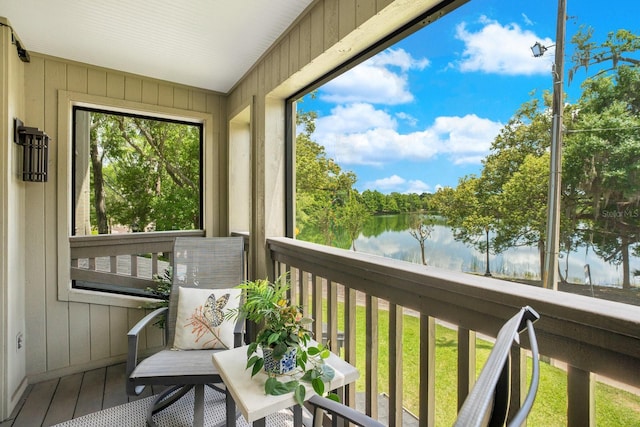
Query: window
[
  {"x": 433, "y": 148},
  {"x": 135, "y": 174},
  {"x": 132, "y": 176}
]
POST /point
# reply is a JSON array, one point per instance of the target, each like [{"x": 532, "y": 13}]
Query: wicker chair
[{"x": 204, "y": 263}]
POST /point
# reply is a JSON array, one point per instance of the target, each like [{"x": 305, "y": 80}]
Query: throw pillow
[{"x": 201, "y": 322}]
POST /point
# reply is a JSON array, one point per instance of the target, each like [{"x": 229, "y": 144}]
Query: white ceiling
[{"x": 209, "y": 44}]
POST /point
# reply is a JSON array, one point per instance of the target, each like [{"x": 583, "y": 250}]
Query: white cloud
[
  {"x": 398, "y": 58},
  {"x": 354, "y": 118},
  {"x": 501, "y": 49},
  {"x": 417, "y": 187},
  {"x": 382, "y": 79},
  {"x": 394, "y": 181},
  {"x": 407, "y": 118},
  {"x": 360, "y": 134},
  {"x": 526, "y": 19},
  {"x": 465, "y": 134},
  {"x": 399, "y": 184}
]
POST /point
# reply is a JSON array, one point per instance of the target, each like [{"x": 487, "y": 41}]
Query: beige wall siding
[
  {"x": 66, "y": 336},
  {"x": 12, "y": 225}
]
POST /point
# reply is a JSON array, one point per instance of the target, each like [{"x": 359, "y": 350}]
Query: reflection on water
[{"x": 524, "y": 262}]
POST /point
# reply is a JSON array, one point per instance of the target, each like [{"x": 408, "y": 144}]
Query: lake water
[{"x": 442, "y": 250}]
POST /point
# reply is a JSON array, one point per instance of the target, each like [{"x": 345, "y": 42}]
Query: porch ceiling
[{"x": 209, "y": 44}]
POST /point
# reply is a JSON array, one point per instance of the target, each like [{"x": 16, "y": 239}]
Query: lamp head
[{"x": 538, "y": 49}]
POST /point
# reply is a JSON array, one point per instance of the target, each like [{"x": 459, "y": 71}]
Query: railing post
[
  {"x": 427, "y": 371},
  {"x": 580, "y": 398},
  {"x": 332, "y": 316},
  {"x": 371, "y": 380},
  {"x": 316, "y": 305},
  {"x": 350, "y": 340},
  {"x": 518, "y": 380},
  {"x": 395, "y": 365},
  {"x": 466, "y": 363},
  {"x": 304, "y": 292}
]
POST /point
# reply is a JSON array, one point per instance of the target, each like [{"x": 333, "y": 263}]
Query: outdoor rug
[{"x": 133, "y": 414}]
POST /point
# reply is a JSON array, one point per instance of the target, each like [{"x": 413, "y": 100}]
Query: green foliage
[
  {"x": 420, "y": 228},
  {"x": 601, "y": 163},
  {"x": 328, "y": 208},
  {"x": 614, "y": 407},
  {"x": 469, "y": 210},
  {"x": 282, "y": 327},
  {"x": 162, "y": 291},
  {"x": 600, "y": 169},
  {"x": 144, "y": 172},
  {"x": 352, "y": 217}
]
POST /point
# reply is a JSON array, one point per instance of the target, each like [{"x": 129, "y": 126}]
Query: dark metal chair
[
  {"x": 322, "y": 405},
  {"x": 205, "y": 263},
  {"x": 488, "y": 402}
]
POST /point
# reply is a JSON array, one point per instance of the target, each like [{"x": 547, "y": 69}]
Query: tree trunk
[
  {"x": 98, "y": 188},
  {"x": 626, "y": 282},
  {"x": 424, "y": 260},
  {"x": 541, "y": 252}
]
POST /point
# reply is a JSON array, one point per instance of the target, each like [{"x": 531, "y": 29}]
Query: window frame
[
  {"x": 67, "y": 102},
  {"x": 416, "y": 24},
  {"x": 77, "y": 108}
]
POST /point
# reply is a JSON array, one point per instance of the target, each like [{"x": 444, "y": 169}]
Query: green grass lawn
[{"x": 614, "y": 407}]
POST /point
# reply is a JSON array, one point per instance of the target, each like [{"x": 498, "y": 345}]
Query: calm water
[{"x": 443, "y": 251}]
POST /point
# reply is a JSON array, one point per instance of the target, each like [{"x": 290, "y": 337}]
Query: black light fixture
[
  {"x": 35, "y": 153},
  {"x": 539, "y": 49},
  {"x": 23, "y": 54}
]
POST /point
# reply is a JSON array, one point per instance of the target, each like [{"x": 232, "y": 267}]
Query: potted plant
[{"x": 283, "y": 346}]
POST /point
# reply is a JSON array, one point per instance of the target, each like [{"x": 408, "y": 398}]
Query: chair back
[
  {"x": 488, "y": 402},
  {"x": 206, "y": 263}
]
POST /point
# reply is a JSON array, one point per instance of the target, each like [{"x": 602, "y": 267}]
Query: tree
[
  {"x": 373, "y": 200},
  {"x": 420, "y": 228},
  {"x": 352, "y": 217},
  {"x": 523, "y": 223},
  {"x": 603, "y": 163},
  {"x": 322, "y": 188},
  {"x": 144, "y": 171},
  {"x": 617, "y": 49},
  {"x": 467, "y": 212},
  {"x": 602, "y": 157}
]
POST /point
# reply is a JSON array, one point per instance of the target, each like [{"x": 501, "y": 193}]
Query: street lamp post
[
  {"x": 487, "y": 271},
  {"x": 552, "y": 243}
]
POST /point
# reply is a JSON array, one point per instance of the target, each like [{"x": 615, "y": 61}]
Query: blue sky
[{"x": 424, "y": 112}]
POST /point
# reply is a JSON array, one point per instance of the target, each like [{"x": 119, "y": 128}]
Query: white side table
[{"x": 248, "y": 393}]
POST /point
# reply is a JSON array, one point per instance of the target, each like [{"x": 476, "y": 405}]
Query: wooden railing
[
  {"x": 589, "y": 335},
  {"x": 122, "y": 263}
]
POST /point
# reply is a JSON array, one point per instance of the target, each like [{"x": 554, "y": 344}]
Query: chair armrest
[
  {"x": 142, "y": 323},
  {"x": 321, "y": 403},
  {"x": 132, "y": 345},
  {"x": 238, "y": 332},
  {"x": 524, "y": 410}
]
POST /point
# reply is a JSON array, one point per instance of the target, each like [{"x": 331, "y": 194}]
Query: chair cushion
[
  {"x": 200, "y": 322},
  {"x": 177, "y": 367}
]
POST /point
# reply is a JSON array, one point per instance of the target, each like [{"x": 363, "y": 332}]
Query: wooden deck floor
[{"x": 61, "y": 399}]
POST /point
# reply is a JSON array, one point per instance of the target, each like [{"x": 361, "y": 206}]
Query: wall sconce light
[{"x": 35, "y": 153}]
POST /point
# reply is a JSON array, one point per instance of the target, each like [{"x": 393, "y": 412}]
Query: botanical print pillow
[{"x": 201, "y": 320}]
